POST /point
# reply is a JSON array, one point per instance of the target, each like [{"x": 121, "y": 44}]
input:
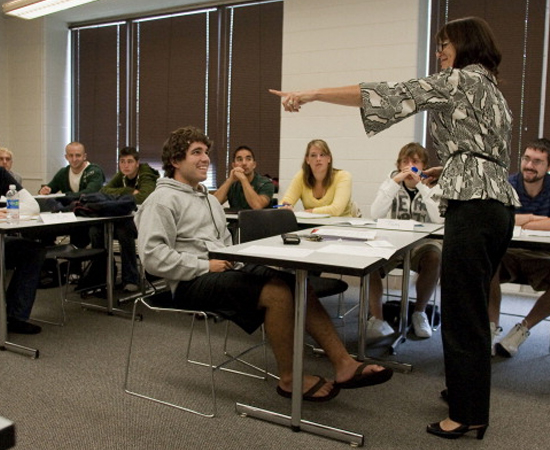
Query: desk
[
  {"x": 353, "y": 264},
  {"x": 37, "y": 229}
]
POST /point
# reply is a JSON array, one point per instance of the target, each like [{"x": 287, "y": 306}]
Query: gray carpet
[{"x": 72, "y": 396}]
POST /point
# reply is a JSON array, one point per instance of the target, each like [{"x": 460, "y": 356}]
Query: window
[{"x": 211, "y": 68}]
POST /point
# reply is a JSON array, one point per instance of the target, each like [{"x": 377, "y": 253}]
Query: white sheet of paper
[
  {"x": 288, "y": 250},
  {"x": 357, "y": 222},
  {"x": 358, "y": 250},
  {"x": 541, "y": 233},
  {"x": 396, "y": 224},
  {"x": 380, "y": 244},
  {"x": 308, "y": 215},
  {"x": 58, "y": 217},
  {"x": 346, "y": 233}
]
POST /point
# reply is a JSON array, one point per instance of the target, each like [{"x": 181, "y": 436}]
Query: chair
[
  {"x": 67, "y": 254},
  {"x": 431, "y": 310},
  {"x": 261, "y": 223},
  {"x": 159, "y": 300}
]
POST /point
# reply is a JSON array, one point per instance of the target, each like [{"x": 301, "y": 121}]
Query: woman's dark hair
[
  {"x": 473, "y": 41},
  {"x": 176, "y": 146},
  {"x": 309, "y": 178}
]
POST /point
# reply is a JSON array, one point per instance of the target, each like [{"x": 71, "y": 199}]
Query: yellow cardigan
[{"x": 336, "y": 201}]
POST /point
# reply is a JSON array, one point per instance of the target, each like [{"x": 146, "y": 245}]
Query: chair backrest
[{"x": 261, "y": 223}]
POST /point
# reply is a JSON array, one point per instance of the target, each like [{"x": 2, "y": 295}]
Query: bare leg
[
  {"x": 539, "y": 312},
  {"x": 428, "y": 274},
  {"x": 375, "y": 295},
  {"x": 278, "y": 302}
]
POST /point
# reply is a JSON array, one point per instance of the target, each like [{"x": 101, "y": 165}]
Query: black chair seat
[
  {"x": 325, "y": 287},
  {"x": 73, "y": 253}
]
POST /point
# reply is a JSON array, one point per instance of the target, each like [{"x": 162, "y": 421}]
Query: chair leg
[
  {"x": 62, "y": 294},
  {"x": 264, "y": 373},
  {"x": 163, "y": 402}
]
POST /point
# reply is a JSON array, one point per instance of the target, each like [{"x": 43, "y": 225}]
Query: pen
[
  {"x": 419, "y": 172},
  {"x": 280, "y": 206}
]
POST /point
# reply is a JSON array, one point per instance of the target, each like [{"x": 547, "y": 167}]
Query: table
[
  {"x": 272, "y": 251},
  {"x": 37, "y": 229}
]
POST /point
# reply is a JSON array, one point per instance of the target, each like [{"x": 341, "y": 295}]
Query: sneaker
[
  {"x": 22, "y": 327},
  {"x": 510, "y": 343},
  {"x": 421, "y": 325},
  {"x": 377, "y": 328},
  {"x": 495, "y": 333},
  {"x": 130, "y": 287}
]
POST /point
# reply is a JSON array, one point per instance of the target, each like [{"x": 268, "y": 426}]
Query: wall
[
  {"x": 4, "y": 99},
  {"x": 327, "y": 43}
]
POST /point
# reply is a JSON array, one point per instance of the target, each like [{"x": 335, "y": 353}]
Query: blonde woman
[{"x": 321, "y": 188}]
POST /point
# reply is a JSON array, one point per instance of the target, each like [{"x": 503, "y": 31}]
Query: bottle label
[{"x": 12, "y": 203}]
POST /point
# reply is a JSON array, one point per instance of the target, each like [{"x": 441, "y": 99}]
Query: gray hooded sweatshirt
[{"x": 177, "y": 226}]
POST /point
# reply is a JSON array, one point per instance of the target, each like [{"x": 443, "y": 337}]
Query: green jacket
[
  {"x": 145, "y": 182},
  {"x": 91, "y": 181}
]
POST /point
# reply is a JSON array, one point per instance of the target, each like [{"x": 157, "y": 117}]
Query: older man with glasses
[{"x": 532, "y": 184}]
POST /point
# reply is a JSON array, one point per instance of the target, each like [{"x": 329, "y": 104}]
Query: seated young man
[
  {"x": 25, "y": 257},
  {"x": 180, "y": 222}
]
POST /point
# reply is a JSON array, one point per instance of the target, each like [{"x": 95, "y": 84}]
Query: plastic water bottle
[{"x": 12, "y": 205}]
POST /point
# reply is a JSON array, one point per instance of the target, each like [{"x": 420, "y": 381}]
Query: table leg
[
  {"x": 110, "y": 281},
  {"x": 4, "y": 344},
  {"x": 404, "y": 301},
  {"x": 295, "y": 421}
]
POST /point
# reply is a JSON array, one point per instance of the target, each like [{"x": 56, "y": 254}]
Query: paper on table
[
  {"x": 396, "y": 224},
  {"x": 345, "y": 233},
  {"x": 358, "y": 250},
  {"x": 308, "y": 215},
  {"x": 58, "y": 217},
  {"x": 356, "y": 221},
  {"x": 288, "y": 250},
  {"x": 541, "y": 233},
  {"x": 23, "y": 217}
]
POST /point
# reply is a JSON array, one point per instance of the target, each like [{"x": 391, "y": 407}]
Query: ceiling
[{"x": 103, "y": 9}]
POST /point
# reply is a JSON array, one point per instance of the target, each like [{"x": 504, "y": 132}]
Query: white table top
[{"x": 347, "y": 257}]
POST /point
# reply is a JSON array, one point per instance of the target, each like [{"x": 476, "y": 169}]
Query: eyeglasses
[
  {"x": 441, "y": 45},
  {"x": 535, "y": 162}
]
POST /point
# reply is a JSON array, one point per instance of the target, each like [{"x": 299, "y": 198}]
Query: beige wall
[
  {"x": 329, "y": 43},
  {"x": 326, "y": 43}
]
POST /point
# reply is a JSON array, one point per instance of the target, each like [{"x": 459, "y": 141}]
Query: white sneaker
[
  {"x": 377, "y": 328},
  {"x": 509, "y": 344},
  {"x": 495, "y": 333},
  {"x": 421, "y": 325}
]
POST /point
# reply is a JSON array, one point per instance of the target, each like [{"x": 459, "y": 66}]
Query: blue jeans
[
  {"x": 26, "y": 258},
  {"x": 125, "y": 234}
]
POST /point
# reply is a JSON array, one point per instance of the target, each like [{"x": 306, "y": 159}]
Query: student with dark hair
[
  {"x": 136, "y": 179},
  {"x": 245, "y": 188},
  {"x": 180, "y": 222},
  {"x": 470, "y": 123},
  {"x": 532, "y": 184}
]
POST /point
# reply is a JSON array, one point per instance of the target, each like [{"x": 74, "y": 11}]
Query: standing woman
[
  {"x": 321, "y": 188},
  {"x": 470, "y": 123}
]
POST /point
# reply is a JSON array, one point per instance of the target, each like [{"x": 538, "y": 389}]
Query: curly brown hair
[{"x": 176, "y": 146}]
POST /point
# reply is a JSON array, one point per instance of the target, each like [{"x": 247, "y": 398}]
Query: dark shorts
[
  {"x": 524, "y": 266},
  {"x": 233, "y": 294}
]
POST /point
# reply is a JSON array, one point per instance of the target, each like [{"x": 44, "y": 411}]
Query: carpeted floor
[{"x": 72, "y": 397}]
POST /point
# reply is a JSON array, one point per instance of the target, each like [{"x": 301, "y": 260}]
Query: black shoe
[
  {"x": 461, "y": 430},
  {"x": 22, "y": 327}
]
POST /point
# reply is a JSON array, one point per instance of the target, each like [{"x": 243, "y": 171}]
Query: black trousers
[{"x": 477, "y": 234}]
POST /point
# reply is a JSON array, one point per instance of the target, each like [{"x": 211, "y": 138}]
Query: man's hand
[
  {"x": 237, "y": 174},
  {"x": 528, "y": 220},
  {"x": 45, "y": 190},
  {"x": 219, "y": 265},
  {"x": 3, "y": 213}
]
